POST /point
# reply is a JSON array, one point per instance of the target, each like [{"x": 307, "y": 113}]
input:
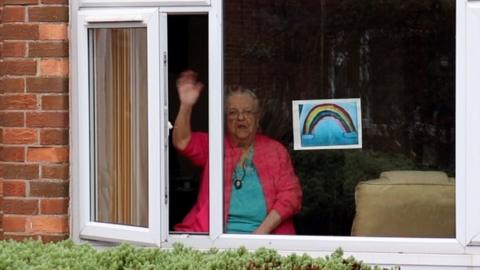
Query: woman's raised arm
[{"x": 189, "y": 89}]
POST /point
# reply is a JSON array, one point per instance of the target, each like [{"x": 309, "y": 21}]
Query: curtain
[{"x": 120, "y": 137}]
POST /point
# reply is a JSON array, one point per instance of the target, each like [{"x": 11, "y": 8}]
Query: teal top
[{"x": 247, "y": 203}]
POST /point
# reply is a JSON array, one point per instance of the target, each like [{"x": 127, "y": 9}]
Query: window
[
  {"x": 121, "y": 161},
  {"x": 411, "y": 66},
  {"x": 399, "y": 62},
  {"x": 119, "y": 139},
  {"x": 133, "y": 171}
]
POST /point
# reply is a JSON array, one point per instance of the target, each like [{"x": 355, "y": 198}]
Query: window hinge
[
  {"x": 166, "y": 198},
  {"x": 164, "y": 58}
]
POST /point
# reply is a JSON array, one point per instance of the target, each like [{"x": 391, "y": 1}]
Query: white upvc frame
[
  {"x": 143, "y": 3},
  {"x": 387, "y": 250},
  {"x": 406, "y": 251},
  {"x": 470, "y": 77},
  {"x": 89, "y": 229}
]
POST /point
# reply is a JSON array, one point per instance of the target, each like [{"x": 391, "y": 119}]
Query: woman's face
[{"x": 242, "y": 119}]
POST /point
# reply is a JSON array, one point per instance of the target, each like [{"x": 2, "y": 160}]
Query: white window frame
[
  {"x": 387, "y": 250},
  {"x": 459, "y": 251},
  {"x": 469, "y": 77},
  {"x": 143, "y": 3},
  {"x": 87, "y": 228}
]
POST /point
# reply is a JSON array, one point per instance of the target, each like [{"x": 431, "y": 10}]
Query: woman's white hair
[{"x": 233, "y": 90}]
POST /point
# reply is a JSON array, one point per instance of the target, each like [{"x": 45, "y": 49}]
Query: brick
[
  {"x": 48, "y": 14},
  {"x": 20, "y": 136},
  {"x": 12, "y": 85},
  {"x": 12, "y": 154},
  {"x": 48, "y": 224},
  {"x": 48, "y": 189},
  {"x": 55, "y": 102},
  {"x": 55, "y": 172},
  {"x": 54, "y": 67},
  {"x": 14, "y": 49},
  {"x": 20, "y": 206},
  {"x": 48, "y": 49},
  {"x": 12, "y": 119},
  {"x": 47, "y": 119},
  {"x": 47, "y": 85},
  {"x": 13, "y": 14},
  {"x": 18, "y": 102},
  {"x": 21, "y": 171},
  {"x": 20, "y": 2},
  {"x": 14, "y": 188},
  {"x": 54, "y": 206},
  {"x": 19, "y": 67},
  {"x": 53, "y": 238},
  {"x": 53, "y": 32},
  {"x": 14, "y": 223},
  {"x": 47, "y": 154},
  {"x": 20, "y": 32},
  {"x": 54, "y": 136}
]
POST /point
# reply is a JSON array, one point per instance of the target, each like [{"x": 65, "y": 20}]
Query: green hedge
[{"x": 67, "y": 255}]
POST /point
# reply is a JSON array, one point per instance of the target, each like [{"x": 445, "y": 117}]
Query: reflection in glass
[
  {"x": 397, "y": 57},
  {"x": 119, "y": 94}
]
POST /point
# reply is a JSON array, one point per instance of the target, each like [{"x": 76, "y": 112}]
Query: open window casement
[{"x": 121, "y": 126}]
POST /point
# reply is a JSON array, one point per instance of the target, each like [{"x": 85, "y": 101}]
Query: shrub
[
  {"x": 67, "y": 255},
  {"x": 328, "y": 179}
]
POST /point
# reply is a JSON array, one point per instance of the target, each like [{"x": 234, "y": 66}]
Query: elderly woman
[{"x": 261, "y": 190}]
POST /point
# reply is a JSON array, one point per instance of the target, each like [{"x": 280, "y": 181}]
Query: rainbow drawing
[
  {"x": 322, "y": 111},
  {"x": 327, "y": 124}
]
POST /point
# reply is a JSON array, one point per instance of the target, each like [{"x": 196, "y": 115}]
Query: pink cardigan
[{"x": 280, "y": 185}]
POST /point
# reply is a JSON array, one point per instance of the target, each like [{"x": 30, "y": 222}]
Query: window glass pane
[
  {"x": 374, "y": 90},
  {"x": 119, "y": 112}
]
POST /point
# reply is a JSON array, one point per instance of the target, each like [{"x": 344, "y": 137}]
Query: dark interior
[{"x": 187, "y": 49}]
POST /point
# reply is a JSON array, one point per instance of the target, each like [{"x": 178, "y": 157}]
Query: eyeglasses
[{"x": 235, "y": 114}]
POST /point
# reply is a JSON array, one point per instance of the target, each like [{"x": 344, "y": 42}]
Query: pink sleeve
[
  {"x": 288, "y": 199},
  {"x": 197, "y": 149}
]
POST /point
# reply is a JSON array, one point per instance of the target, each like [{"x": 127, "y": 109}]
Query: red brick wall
[
  {"x": 1, "y": 122},
  {"x": 34, "y": 120}
]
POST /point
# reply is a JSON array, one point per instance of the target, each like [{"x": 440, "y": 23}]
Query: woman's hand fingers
[
  {"x": 189, "y": 88},
  {"x": 187, "y": 77}
]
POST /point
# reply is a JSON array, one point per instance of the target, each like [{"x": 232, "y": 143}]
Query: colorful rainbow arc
[{"x": 319, "y": 112}]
